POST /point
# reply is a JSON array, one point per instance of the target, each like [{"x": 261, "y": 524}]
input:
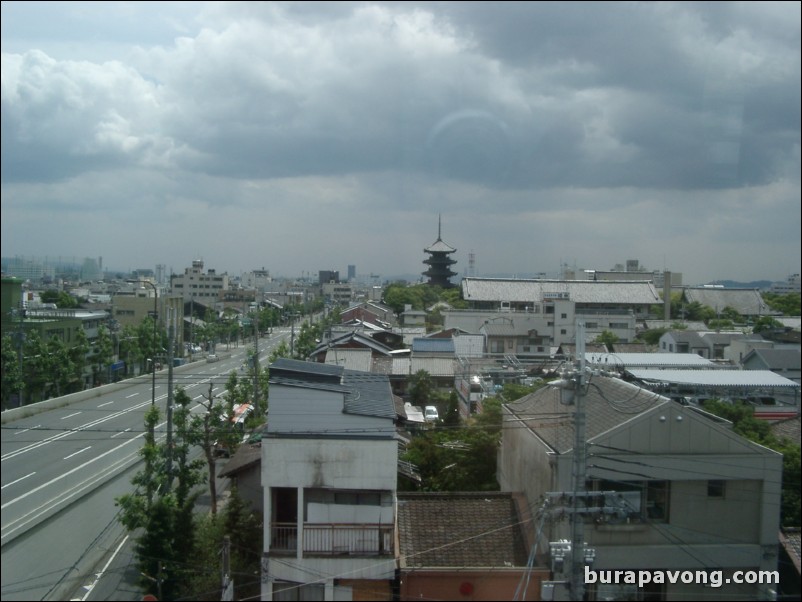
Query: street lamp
[{"x": 155, "y": 313}]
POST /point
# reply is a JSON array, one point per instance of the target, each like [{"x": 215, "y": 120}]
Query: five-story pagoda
[{"x": 439, "y": 262}]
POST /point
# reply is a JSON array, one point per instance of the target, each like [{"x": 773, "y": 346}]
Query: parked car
[
  {"x": 430, "y": 414},
  {"x": 212, "y": 358}
]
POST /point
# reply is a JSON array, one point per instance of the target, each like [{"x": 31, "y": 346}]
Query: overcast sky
[{"x": 307, "y": 136}]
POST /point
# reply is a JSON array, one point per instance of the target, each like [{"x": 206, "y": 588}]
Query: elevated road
[{"x": 63, "y": 466}]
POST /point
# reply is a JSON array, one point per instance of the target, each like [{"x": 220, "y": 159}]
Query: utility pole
[
  {"x": 228, "y": 583},
  {"x": 257, "y": 404},
  {"x": 580, "y": 473},
  {"x": 170, "y": 340}
]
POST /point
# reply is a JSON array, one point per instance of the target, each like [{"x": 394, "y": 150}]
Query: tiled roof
[
  {"x": 778, "y": 359},
  {"x": 554, "y": 422},
  {"x": 788, "y": 429},
  {"x": 650, "y": 360},
  {"x": 436, "y": 366},
  {"x": 580, "y": 291},
  {"x": 369, "y": 394},
  {"x": 247, "y": 455},
  {"x": 460, "y": 530},
  {"x": 364, "y": 393},
  {"x": 352, "y": 359},
  {"x": 746, "y": 302},
  {"x": 439, "y": 246},
  {"x": 715, "y": 378},
  {"x": 430, "y": 345},
  {"x": 792, "y": 543}
]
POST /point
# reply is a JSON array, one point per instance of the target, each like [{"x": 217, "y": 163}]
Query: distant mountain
[{"x": 760, "y": 284}]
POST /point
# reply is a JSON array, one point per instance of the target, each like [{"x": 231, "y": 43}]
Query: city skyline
[{"x": 308, "y": 136}]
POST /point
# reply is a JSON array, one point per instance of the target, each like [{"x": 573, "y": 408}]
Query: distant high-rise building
[
  {"x": 327, "y": 276},
  {"x": 351, "y": 272},
  {"x": 439, "y": 262}
]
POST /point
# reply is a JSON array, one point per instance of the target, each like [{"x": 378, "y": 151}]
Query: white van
[{"x": 430, "y": 414}]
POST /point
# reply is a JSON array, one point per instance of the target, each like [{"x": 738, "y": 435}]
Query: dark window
[{"x": 715, "y": 488}]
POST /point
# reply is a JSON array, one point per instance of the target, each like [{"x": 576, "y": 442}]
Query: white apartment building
[{"x": 200, "y": 286}]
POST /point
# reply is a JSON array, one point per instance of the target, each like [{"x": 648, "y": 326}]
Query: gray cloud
[{"x": 540, "y": 112}]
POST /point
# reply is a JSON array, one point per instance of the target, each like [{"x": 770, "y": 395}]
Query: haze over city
[{"x": 308, "y": 136}]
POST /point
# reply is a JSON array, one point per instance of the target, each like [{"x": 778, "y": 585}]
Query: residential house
[
  {"x": 329, "y": 471},
  {"x": 785, "y": 362},
  {"x": 684, "y": 491},
  {"x": 372, "y": 312},
  {"x": 683, "y": 341},
  {"x": 244, "y": 471},
  {"x": 466, "y": 546}
]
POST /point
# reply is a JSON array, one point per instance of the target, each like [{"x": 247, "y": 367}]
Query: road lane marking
[
  {"x": 99, "y": 575},
  {"x": 131, "y": 395},
  {"x": 49, "y": 440},
  {"x": 70, "y": 416},
  {"x": 78, "y": 452},
  {"x": 26, "y": 430},
  {"x": 76, "y": 469},
  {"x": 105, "y": 404},
  {"x": 120, "y": 433},
  {"x": 18, "y": 480}
]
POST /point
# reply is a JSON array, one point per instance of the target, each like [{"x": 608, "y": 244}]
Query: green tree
[
  {"x": 101, "y": 356},
  {"x": 35, "y": 367},
  {"x": 766, "y": 324},
  {"x": 697, "y": 312},
  {"x": 129, "y": 348},
  {"x": 208, "y": 429},
  {"x": 421, "y": 387},
  {"x": 788, "y": 304},
  {"x": 78, "y": 354},
  {"x": 162, "y": 515},
  {"x": 62, "y": 299},
  {"x": 731, "y": 314},
  {"x": 652, "y": 336},
  {"x": 283, "y": 350},
  {"x": 12, "y": 379},
  {"x": 60, "y": 366},
  {"x": 451, "y": 419},
  {"x": 606, "y": 338}
]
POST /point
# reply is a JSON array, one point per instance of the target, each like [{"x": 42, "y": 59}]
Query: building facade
[{"x": 329, "y": 460}]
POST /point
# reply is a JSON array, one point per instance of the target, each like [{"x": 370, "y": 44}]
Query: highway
[{"x": 62, "y": 469}]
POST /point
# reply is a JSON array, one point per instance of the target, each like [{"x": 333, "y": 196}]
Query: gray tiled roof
[
  {"x": 778, "y": 359},
  {"x": 365, "y": 393},
  {"x": 650, "y": 360},
  {"x": 429, "y": 345},
  {"x": 747, "y": 302},
  {"x": 554, "y": 422},
  {"x": 369, "y": 394},
  {"x": 460, "y": 530},
  {"x": 715, "y": 378},
  {"x": 580, "y": 291}
]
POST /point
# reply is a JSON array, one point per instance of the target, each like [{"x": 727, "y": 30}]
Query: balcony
[{"x": 332, "y": 539}]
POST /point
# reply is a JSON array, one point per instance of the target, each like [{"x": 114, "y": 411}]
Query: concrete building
[
  {"x": 547, "y": 310},
  {"x": 196, "y": 284},
  {"x": 329, "y": 460},
  {"x": 689, "y": 493}
]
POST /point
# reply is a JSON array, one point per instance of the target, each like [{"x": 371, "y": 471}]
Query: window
[
  {"x": 647, "y": 500},
  {"x": 563, "y": 331},
  {"x": 715, "y": 488}
]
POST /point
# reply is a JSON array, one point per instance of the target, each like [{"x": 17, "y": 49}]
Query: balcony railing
[{"x": 333, "y": 539}]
